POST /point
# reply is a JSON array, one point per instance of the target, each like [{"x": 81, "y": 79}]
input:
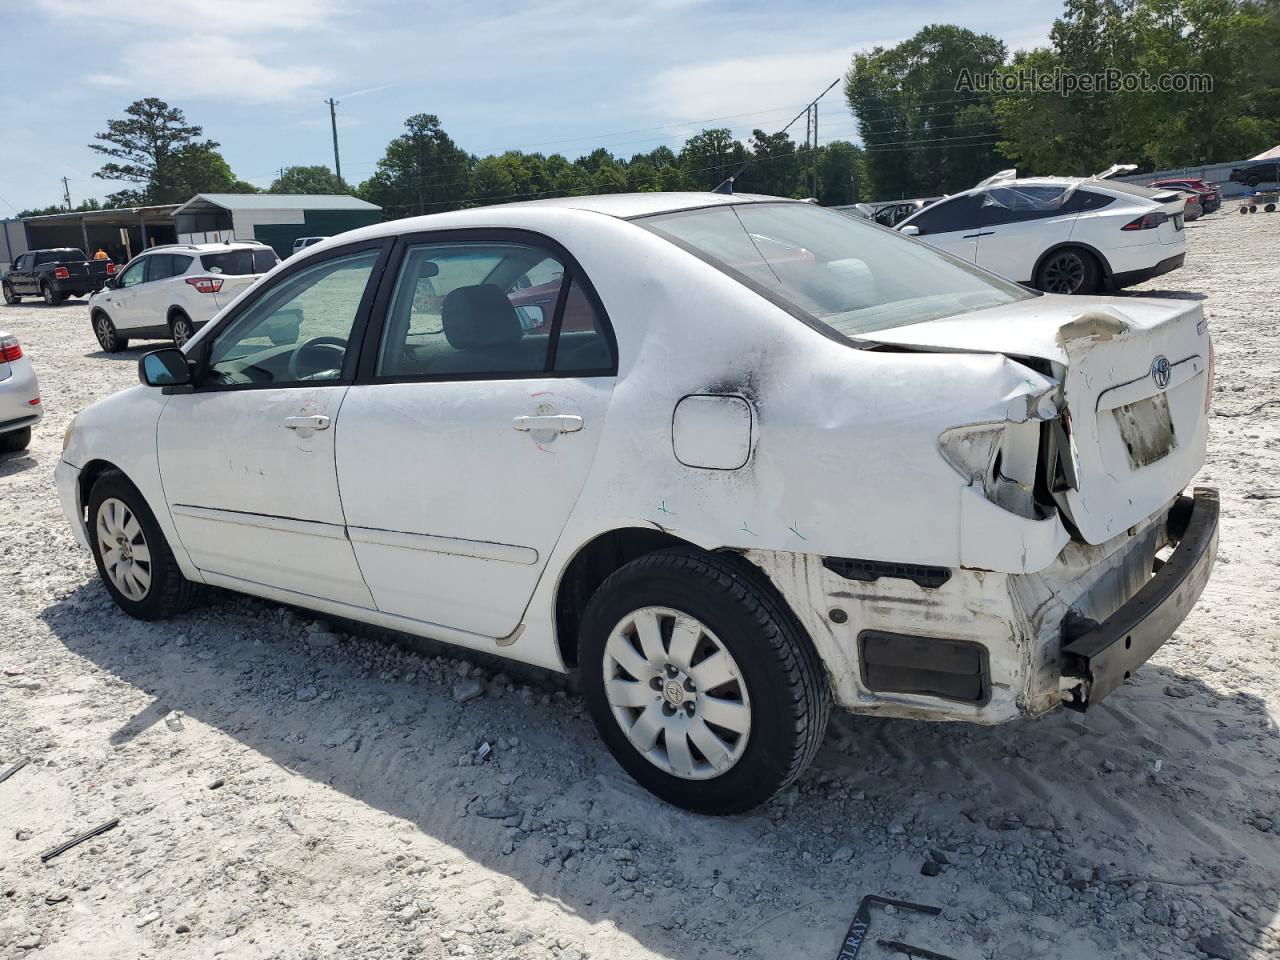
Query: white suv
[
  {"x": 172, "y": 291},
  {"x": 1058, "y": 234}
]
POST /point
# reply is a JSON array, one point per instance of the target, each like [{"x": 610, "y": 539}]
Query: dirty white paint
[{"x": 842, "y": 458}]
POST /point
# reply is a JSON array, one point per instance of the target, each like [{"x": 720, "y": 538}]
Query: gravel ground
[{"x": 286, "y": 789}]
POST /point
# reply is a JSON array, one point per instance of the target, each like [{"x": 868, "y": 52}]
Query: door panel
[
  {"x": 248, "y": 460},
  {"x": 951, "y": 225},
  {"x": 1019, "y": 224},
  {"x": 461, "y": 462},
  {"x": 454, "y": 510}
]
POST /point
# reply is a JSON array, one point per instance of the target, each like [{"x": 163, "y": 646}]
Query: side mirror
[
  {"x": 164, "y": 368},
  {"x": 910, "y": 230}
]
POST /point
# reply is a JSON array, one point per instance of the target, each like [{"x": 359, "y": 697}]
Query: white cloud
[
  {"x": 726, "y": 87},
  {"x": 198, "y": 17},
  {"x": 209, "y": 66}
]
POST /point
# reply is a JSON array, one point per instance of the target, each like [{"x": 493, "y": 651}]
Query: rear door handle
[
  {"x": 317, "y": 422},
  {"x": 559, "y": 422}
]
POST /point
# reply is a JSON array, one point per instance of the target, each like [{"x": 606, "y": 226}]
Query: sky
[{"x": 554, "y": 76}]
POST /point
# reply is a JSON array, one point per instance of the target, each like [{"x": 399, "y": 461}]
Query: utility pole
[
  {"x": 333, "y": 122},
  {"x": 66, "y": 193},
  {"x": 815, "y": 150}
]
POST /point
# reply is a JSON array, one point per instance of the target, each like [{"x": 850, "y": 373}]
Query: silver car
[{"x": 20, "y": 405}]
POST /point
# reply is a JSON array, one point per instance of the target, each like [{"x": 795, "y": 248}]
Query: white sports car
[{"x": 735, "y": 459}]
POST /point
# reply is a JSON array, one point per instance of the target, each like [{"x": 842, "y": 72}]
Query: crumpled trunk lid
[{"x": 1134, "y": 377}]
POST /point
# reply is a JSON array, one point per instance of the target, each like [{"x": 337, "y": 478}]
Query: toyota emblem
[{"x": 1161, "y": 371}]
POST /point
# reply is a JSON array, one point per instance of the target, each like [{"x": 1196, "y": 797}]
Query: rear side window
[
  {"x": 166, "y": 265},
  {"x": 239, "y": 262},
  {"x": 497, "y": 310}
]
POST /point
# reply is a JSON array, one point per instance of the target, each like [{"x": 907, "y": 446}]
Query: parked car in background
[
  {"x": 1191, "y": 210},
  {"x": 20, "y": 405},
  {"x": 1255, "y": 172},
  {"x": 172, "y": 291},
  {"x": 303, "y": 242},
  {"x": 1017, "y": 461},
  {"x": 54, "y": 275},
  {"x": 892, "y": 213},
  {"x": 1058, "y": 234},
  {"x": 1210, "y": 195}
]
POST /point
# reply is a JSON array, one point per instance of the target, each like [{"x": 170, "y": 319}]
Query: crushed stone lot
[{"x": 286, "y": 788}]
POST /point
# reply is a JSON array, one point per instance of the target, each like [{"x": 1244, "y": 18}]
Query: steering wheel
[{"x": 317, "y": 346}]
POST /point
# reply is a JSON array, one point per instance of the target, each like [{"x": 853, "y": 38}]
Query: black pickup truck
[{"x": 55, "y": 275}]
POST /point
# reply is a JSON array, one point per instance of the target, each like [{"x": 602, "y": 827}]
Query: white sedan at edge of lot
[
  {"x": 1059, "y": 234},
  {"x": 20, "y": 403},
  {"x": 735, "y": 459}
]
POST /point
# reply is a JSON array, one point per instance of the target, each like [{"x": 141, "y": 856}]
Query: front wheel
[
  {"x": 109, "y": 338},
  {"x": 1069, "y": 271},
  {"x": 131, "y": 552},
  {"x": 701, "y": 682},
  {"x": 9, "y": 296}
]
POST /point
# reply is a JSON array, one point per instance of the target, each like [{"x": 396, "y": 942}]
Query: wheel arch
[
  {"x": 89, "y": 475},
  {"x": 1088, "y": 248},
  {"x": 176, "y": 311},
  {"x": 597, "y": 559}
]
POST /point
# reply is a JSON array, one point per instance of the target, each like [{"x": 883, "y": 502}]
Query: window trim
[
  {"x": 366, "y": 371},
  {"x": 359, "y": 327}
]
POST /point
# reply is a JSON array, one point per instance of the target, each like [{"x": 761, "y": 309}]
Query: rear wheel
[
  {"x": 51, "y": 296},
  {"x": 9, "y": 295},
  {"x": 181, "y": 329},
  {"x": 108, "y": 338},
  {"x": 1069, "y": 271},
  {"x": 15, "y": 440},
  {"x": 701, "y": 682},
  {"x": 133, "y": 557},
  {"x": 1253, "y": 181}
]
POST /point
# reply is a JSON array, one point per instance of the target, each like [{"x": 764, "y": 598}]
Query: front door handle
[
  {"x": 317, "y": 422},
  {"x": 558, "y": 422}
]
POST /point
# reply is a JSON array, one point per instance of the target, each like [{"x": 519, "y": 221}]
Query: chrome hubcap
[
  {"x": 104, "y": 331},
  {"x": 181, "y": 334},
  {"x": 123, "y": 548},
  {"x": 677, "y": 693}
]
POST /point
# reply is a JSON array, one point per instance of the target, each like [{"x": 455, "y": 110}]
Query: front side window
[
  {"x": 958, "y": 213},
  {"x": 135, "y": 273},
  {"x": 297, "y": 331},
  {"x": 471, "y": 309},
  {"x": 833, "y": 271}
]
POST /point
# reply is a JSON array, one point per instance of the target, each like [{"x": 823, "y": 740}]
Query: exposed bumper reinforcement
[{"x": 1105, "y": 654}]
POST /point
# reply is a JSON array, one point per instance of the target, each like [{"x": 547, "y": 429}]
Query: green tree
[
  {"x": 1234, "y": 42},
  {"x": 422, "y": 171},
  {"x": 922, "y": 137},
  {"x": 710, "y": 157},
  {"x": 316, "y": 179},
  {"x": 154, "y": 148}
]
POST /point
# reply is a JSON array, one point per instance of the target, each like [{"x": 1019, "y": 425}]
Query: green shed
[{"x": 276, "y": 219}]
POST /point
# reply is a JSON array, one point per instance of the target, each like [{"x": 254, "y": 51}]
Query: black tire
[
  {"x": 1244, "y": 209},
  {"x": 785, "y": 683},
  {"x": 181, "y": 329},
  {"x": 108, "y": 337},
  {"x": 1253, "y": 181},
  {"x": 168, "y": 592},
  {"x": 9, "y": 296},
  {"x": 1253, "y": 208},
  {"x": 1070, "y": 270},
  {"x": 15, "y": 440},
  {"x": 1270, "y": 208},
  {"x": 51, "y": 296}
]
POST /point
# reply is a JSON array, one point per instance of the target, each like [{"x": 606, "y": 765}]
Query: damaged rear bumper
[{"x": 1101, "y": 656}]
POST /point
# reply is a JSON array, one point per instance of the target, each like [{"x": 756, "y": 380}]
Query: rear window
[
  {"x": 69, "y": 255},
  {"x": 843, "y": 275},
  {"x": 239, "y": 262}
]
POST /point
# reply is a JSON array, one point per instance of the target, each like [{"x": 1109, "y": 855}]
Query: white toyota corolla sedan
[{"x": 735, "y": 459}]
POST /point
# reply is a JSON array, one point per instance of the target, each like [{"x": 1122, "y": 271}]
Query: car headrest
[{"x": 479, "y": 316}]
